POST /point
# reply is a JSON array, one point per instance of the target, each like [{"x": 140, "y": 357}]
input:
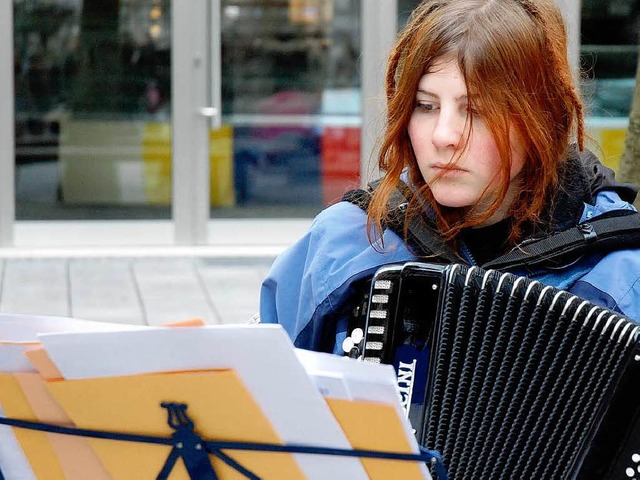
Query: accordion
[{"x": 506, "y": 377}]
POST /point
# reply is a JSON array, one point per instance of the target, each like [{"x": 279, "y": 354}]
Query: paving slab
[{"x": 134, "y": 290}]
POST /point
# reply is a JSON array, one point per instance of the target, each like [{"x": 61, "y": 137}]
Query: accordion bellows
[{"x": 525, "y": 381}]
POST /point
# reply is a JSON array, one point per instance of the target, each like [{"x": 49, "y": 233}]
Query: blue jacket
[{"x": 310, "y": 287}]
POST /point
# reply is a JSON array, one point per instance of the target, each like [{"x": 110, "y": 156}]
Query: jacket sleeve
[
  {"x": 309, "y": 284},
  {"x": 613, "y": 281},
  {"x": 286, "y": 292}
]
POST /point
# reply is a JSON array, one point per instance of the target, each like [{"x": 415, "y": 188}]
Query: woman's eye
[
  {"x": 427, "y": 107},
  {"x": 474, "y": 111}
]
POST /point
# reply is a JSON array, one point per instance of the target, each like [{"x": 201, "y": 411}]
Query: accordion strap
[
  {"x": 609, "y": 232},
  {"x": 422, "y": 237}
]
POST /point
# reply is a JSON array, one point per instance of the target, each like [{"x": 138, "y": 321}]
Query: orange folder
[
  {"x": 35, "y": 445},
  {"x": 218, "y": 403},
  {"x": 376, "y": 427},
  {"x": 76, "y": 458}
]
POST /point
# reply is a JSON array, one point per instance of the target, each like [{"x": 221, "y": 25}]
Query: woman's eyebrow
[{"x": 434, "y": 95}]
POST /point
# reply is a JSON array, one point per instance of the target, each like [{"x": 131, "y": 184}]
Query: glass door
[
  {"x": 291, "y": 87},
  {"x": 291, "y": 104}
]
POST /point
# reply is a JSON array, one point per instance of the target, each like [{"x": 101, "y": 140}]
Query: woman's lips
[{"x": 448, "y": 168}]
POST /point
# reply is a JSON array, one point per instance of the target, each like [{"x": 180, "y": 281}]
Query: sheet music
[
  {"x": 12, "y": 358},
  {"x": 262, "y": 355},
  {"x": 361, "y": 380},
  {"x": 349, "y": 379}
]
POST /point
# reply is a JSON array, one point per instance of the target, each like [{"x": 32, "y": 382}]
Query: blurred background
[{"x": 95, "y": 107}]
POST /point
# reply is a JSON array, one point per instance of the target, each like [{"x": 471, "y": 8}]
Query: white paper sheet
[
  {"x": 363, "y": 381},
  {"x": 353, "y": 372},
  {"x": 12, "y": 358},
  {"x": 19, "y": 327},
  {"x": 25, "y": 328},
  {"x": 262, "y": 355},
  {"x": 330, "y": 384}
]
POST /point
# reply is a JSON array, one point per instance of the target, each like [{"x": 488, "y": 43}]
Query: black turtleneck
[{"x": 487, "y": 243}]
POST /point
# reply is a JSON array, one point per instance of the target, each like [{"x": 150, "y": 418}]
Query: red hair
[{"x": 513, "y": 56}]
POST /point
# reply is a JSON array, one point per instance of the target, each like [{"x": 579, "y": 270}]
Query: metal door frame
[
  {"x": 379, "y": 27},
  {"x": 190, "y": 66},
  {"x": 7, "y": 136}
]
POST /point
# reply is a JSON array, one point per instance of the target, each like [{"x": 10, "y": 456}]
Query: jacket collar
[{"x": 581, "y": 178}]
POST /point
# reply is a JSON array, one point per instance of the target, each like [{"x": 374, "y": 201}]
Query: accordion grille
[{"x": 520, "y": 373}]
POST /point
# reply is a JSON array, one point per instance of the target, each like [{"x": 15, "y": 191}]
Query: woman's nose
[{"x": 448, "y": 130}]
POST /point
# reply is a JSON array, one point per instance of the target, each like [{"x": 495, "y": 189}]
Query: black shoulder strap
[
  {"x": 609, "y": 232},
  {"x": 358, "y": 197},
  {"x": 424, "y": 240}
]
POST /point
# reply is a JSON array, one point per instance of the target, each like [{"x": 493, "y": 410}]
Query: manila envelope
[
  {"x": 376, "y": 427},
  {"x": 76, "y": 458},
  {"x": 35, "y": 445},
  {"x": 218, "y": 403}
]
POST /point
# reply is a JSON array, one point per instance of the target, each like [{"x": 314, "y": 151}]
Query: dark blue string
[
  {"x": 168, "y": 464},
  {"x": 45, "y": 427},
  {"x": 432, "y": 458},
  {"x": 233, "y": 464}
]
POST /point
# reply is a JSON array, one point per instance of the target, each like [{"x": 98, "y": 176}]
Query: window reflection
[
  {"x": 91, "y": 57},
  {"x": 93, "y": 107},
  {"x": 609, "y": 53},
  {"x": 291, "y": 92},
  {"x": 81, "y": 66}
]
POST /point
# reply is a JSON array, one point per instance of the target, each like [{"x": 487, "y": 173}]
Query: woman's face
[{"x": 437, "y": 131}]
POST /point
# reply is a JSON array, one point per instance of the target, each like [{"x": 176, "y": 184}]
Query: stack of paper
[{"x": 242, "y": 383}]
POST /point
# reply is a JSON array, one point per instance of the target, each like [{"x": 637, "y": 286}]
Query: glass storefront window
[
  {"x": 92, "y": 108},
  {"x": 609, "y": 53},
  {"x": 608, "y": 57}
]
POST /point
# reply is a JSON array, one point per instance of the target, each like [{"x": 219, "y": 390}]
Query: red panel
[{"x": 340, "y": 162}]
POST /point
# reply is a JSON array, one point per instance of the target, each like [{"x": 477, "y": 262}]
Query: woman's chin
[{"x": 454, "y": 201}]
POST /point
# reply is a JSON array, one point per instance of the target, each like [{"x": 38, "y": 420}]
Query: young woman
[{"x": 485, "y": 126}]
